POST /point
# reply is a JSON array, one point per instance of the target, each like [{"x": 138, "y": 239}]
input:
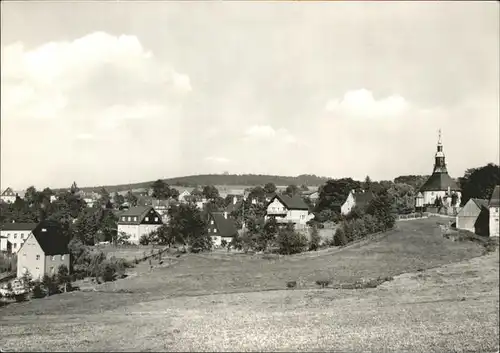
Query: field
[
  {"x": 444, "y": 297},
  {"x": 129, "y": 253}
]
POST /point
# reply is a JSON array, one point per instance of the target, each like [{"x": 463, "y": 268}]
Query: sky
[{"x": 117, "y": 92}]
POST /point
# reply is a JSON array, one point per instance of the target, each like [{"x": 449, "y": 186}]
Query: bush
[
  {"x": 290, "y": 242},
  {"x": 50, "y": 284},
  {"x": 291, "y": 284},
  {"x": 340, "y": 239},
  {"x": 107, "y": 271},
  {"x": 38, "y": 291},
  {"x": 315, "y": 239},
  {"x": 144, "y": 240},
  {"x": 323, "y": 283}
]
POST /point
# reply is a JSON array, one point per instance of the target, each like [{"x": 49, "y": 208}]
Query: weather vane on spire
[{"x": 439, "y": 138}]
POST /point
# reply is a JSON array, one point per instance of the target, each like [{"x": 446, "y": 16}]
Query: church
[{"x": 440, "y": 189}]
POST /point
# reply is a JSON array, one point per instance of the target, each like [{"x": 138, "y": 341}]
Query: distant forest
[
  {"x": 221, "y": 179},
  {"x": 245, "y": 180}
]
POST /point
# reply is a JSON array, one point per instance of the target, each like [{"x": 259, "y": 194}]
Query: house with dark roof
[
  {"x": 359, "y": 199},
  {"x": 8, "y": 196},
  {"x": 15, "y": 234},
  {"x": 494, "y": 209},
  {"x": 439, "y": 188},
  {"x": 221, "y": 228},
  {"x": 45, "y": 249},
  {"x": 288, "y": 209},
  {"x": 474, "y": 217},
  {"x": 138, "y": 221}
]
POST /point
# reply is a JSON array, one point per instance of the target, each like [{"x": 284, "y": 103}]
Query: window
[
  {"x": 62, "y": 257},
  {"x": 147, "y": 219},
  {"x": 15, "y": 235},
  {"x": 129, "y": 219},
  {"x": 44, "y": 229},
  {"x": 209, "y": 230},
  {"x": 156, "y": 219},
  {"x": 215, "y": 230},
  {"x": 124, "y": 218},
  {"x": 54, "y": 258},
  {"x": 37, "y": 268},
  {"x": 212, "y": 221},
  {"x": 38, "y": 257}
]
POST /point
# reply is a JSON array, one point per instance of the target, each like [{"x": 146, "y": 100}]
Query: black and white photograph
[{"x": 249, "y": 176}]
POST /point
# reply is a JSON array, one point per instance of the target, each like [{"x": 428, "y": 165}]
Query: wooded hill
[{"x": 221, "y": 179}]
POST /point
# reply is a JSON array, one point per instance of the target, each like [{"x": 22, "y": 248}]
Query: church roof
[{"x": 440, "y": 182}]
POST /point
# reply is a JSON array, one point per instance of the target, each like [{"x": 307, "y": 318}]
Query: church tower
[
  {"x": 440, "y": 188},
  {"x": 439, "y": 159}
]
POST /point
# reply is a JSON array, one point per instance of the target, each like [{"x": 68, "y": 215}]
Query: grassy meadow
[{"x": 444, "y": 297}]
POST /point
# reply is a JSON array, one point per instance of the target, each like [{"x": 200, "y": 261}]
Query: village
[{"x": 142, "y": 217}]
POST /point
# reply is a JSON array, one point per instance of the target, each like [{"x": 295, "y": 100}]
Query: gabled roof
[
  {"x": 292, "y": 203},
  {"x": 18, "y": 226},
  {"x": 495, "y": 197},
  {"x": 225, "y": 227},
  {"x": 8, "y": 192},
  {"x": 363, "y": 198},
  {"x": 139, "y": 211},
  {"x": 481, "y": 203},
  {"x": 50, "y": 236},
  {"x": 440, "y": 182}
]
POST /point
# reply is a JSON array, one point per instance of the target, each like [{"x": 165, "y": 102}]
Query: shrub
[
  {"x": 107, "y": 271},
  {"x": 340, "y": 239},
  {"x": 290, "y": 242},
  {"x": 144, "y": 240},
  {"x": 20, "y": 297},
  {"x": 291, "y": 284},
  {"x": 50, "y": 284},
  {"x": 63, "y": 278},
  {"x": 315, "y": 239},
  {"x": 323, "y": 283},
  {"x": 38, "y": 291}
]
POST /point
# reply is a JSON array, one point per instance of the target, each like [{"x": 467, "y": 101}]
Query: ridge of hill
[{"x": 221, "y": 179}]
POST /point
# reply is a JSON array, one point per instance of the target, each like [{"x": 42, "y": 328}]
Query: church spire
[{"x": 440, "y": 164}]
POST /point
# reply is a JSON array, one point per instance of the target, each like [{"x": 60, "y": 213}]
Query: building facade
[
  {"x": 286, "y": 209},
  {"x": 221, "y": 228},
  {"x": 494, "y": 208},
  {"x": 474, "y": 217},
  {"x": 44, "y": 251},
  {"x": 8, "y": 196},
  {"x": 139, "y": 221},
  {"x": 15, "y": 234}
]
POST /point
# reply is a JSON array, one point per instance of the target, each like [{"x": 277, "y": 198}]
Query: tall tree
[
  {"x": 161, "y": 190},
  {"x": 210, "y": 192},
  {"x": 105, "y": 198},
  {"x": 118, "y": 199},
  {"x": 381, "y": 207},
  {"x": 269, "y": 188},
  {"x": 131, "y": 199},
  {"x": 188, "y": 226},
  {"x": 291, "y": 190},
  {"x": 367, "y": 183},
  {"x": 334, "y": 192},
  {"x": 479, "y": 182}
]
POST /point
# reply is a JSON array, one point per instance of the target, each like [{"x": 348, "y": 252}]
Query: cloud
[
  {"x": 362, "y": 104},
  {"x": 216, "y": 159},
  {"x": 89, "y": 72},
  {"x": 84, "y": 136}
]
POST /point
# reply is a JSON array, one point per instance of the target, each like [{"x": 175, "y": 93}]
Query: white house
[
  {"x": 474, "y": 217},
  {"x": 183, "y": 195},
  {"x": 8, "y": 196},
  {"x": 221, "y": 228},
  {"x": 15, "y": 235},
  {"x": 139, "y": 221},
  {"x": 494, "y": 207},
  {"x": 286, "y": 209},
  {"x": 44, "y": 251},
  {"x": 360, "y": 199}
]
